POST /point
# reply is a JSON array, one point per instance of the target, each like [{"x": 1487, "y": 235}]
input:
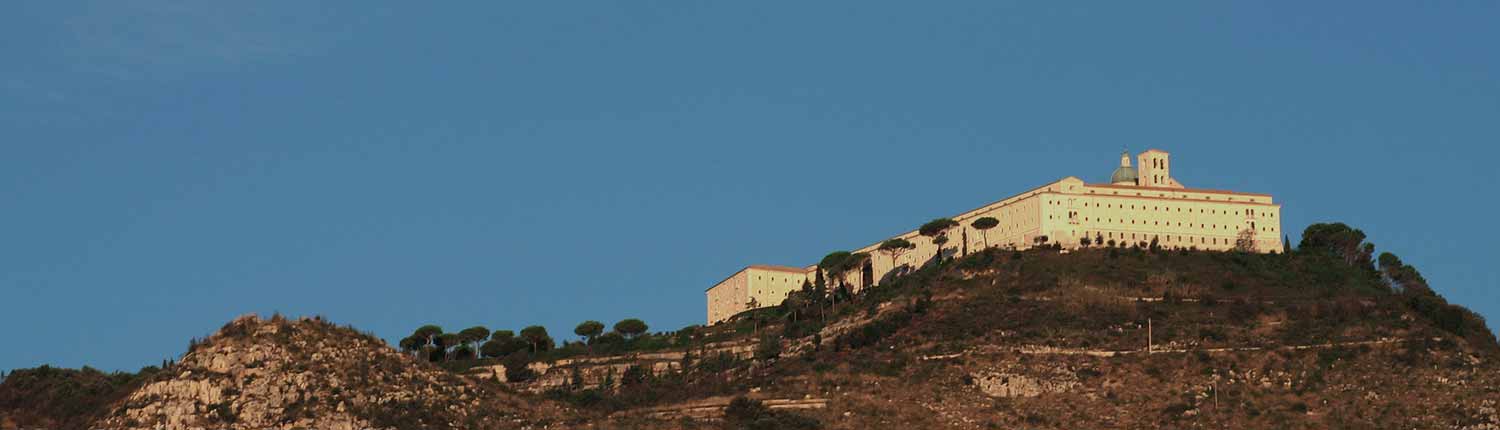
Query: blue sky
[{"x": 168, "y": 165}]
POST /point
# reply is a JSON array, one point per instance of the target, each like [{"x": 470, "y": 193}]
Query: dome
[{"x": 1124, "y": 175}]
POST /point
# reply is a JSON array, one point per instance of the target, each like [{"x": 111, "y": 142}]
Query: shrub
[
  {"x": 515, "y": 367},
  {"x": 634, "y": 375},
  {"x": 871, "y": 333},
  {"x": 744, "y": 413},
  {"x": 768, "y": 348}
]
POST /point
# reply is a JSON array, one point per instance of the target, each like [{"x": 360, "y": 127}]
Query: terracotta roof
[
  {"x": 776, "y": 268},
  {"x": 1172, "y": 199},
  {"x": 773, "y": 267},
  {"x": 1180, "y": 190}
]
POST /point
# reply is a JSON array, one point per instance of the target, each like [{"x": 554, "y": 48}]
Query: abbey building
[{"x": 1140, "y": 204}]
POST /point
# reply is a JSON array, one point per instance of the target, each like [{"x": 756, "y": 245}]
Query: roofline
[
  {"x": 773, "y": 267},
  {"x": 726, "y": 278},
  {"x": 1184, "y": 189},
  {"x": 1169, "y": 199},
  {"x": 961, "y": 214}
]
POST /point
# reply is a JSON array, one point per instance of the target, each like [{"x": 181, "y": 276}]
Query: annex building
[{"x": 1139, "y": 204}]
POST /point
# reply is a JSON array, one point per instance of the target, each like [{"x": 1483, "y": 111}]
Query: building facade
[
  {"x": 1138, "y": 205},
  {"x": 761, "y": 285}
]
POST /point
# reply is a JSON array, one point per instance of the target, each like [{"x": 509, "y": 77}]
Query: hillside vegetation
[
  {"x": 1112, "y": 338},
  {"x": 53, "y": 398},
  {"x": 1332, "y": 335}
]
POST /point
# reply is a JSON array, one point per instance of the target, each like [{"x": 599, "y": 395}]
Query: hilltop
[
  {"x": 278, "y": 373},
  {"x": 1328, "y": 336}
]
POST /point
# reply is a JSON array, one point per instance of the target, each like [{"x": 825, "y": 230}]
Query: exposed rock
[
  {"x": 280, "y": 374},
  {"x": 1016, "y": 384}
]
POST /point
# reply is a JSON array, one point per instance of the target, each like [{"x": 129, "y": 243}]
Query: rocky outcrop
[
  {"x": 282, "y": 374},
  {"x": 1003, "y": 384},
  {"x": 608, "y": 369}
]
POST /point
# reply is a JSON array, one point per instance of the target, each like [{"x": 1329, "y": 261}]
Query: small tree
[
  {"x": 1084, "y": 242},
  {"x": 472, "y": 336},
  {"x": 1099, "y": 239},
  {"x": 411, "y": 344},
  {"x": 588, "y": 330},
  {"x": 830, "y": 264},
  {"x": 1339, "y": 240},
  {"x": 1155, "y": 245},
  {"x": 894, "y": 248},
  {"x": 428, "y": 334},
  {"x": 503, "y": 335},
  {"x": 493, "y": 348},
  {"x": 535, "y": 335},
  {"x": 754, "y": 316},
  {"x": 939, "y": 242},
  {"x": 794, "y": 303},
  {"x": 768, "y": 348},
  {"x": 448, "y": 340},
  {"x": 935, "y": 229},
  {"x": 631, "y": 327},
  {"x": 853, "y": 263},
  {"x": 984, "y": 224}
]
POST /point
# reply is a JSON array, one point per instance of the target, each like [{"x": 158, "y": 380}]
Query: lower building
[
  {"x": 1137, "y": 207},
  {"x": 752, "y": 287}
]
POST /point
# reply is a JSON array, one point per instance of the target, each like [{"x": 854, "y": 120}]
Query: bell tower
[{"x": 1156, "y": 169}]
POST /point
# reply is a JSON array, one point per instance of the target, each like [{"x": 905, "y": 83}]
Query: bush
[
  {"x": 768, "y": 348},
  {"x": 744, "y": 413},
  {"x": 634, "y": 375},
  {"x": 515, "y": 367},
  {"x": 871, "y": 333}
]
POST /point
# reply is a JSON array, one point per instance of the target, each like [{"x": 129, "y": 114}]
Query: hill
[
  {"x": 278, "y": 373},
  {"x": 53, "y": 398},
  {"x": 1097, "y": 338},
  {"x": 1330, "y": 336}
]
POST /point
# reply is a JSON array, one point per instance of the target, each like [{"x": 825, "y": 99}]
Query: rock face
[
  {"x": 593, "y": 372},
  {"x": 999, "y": 384},
  {"x": 283, "y": 374}
]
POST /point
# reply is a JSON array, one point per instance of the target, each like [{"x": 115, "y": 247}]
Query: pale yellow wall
[
  {"x": 728, "y": 297},
  {"x": 767, "y": 285},
  {"x": 770, "y": 287},
  {"x": 1177, "y": 217},
  {"x": 1064, "y": 211},
  {"x": 1019, "y": 223}
]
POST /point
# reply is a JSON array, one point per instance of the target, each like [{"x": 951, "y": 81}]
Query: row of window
[
  {"x": 1164, "y": 239},
  {"x": 1182, "y": 196},
  {"x": 1248, "y": 212},
  {"x": 1179, "y": 224}
]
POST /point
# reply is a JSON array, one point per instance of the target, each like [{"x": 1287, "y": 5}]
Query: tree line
[{"x": 434, "y": 344}]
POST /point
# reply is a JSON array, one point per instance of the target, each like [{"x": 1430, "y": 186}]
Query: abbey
[{"x": 1140, "y": 204}]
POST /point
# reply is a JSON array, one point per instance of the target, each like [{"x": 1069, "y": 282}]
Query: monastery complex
[{"x": 1138, "y": 204}]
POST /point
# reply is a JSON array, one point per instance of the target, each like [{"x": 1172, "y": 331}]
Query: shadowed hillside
[
  {"x": 1329, "y": 336},
  {"x": 1106, "y": 338}
]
